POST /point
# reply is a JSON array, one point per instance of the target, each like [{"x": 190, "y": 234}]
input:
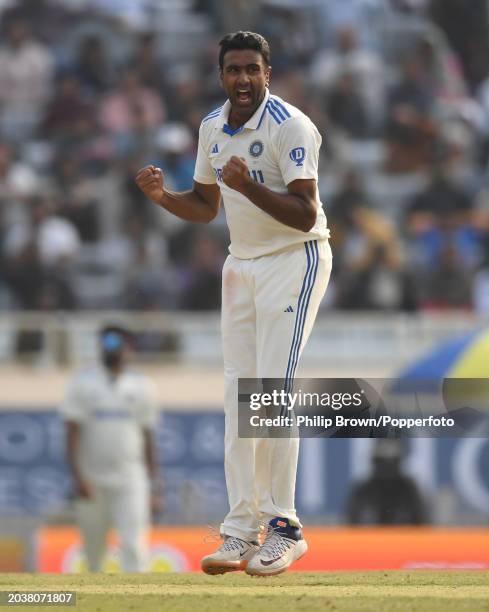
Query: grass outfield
[{"x": 416, "y": 591}]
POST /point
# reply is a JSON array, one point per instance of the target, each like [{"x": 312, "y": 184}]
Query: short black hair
[{"x": 244, "y": 40}]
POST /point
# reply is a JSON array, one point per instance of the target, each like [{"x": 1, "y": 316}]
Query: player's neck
[
  {"x": 238, "y": 117},
  {"x": 115, "y": 371}
]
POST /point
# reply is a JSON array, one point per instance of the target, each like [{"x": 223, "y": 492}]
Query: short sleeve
[
  {"x": 147, "y": 409},
  {"x": 204, "y": 172},
  {"x": 298, "y": 144},
  {"x": 73, "y": 407}
]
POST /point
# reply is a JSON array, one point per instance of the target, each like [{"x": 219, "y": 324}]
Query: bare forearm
[
  {"x": 289, "y": 209},
  {"x": 200, "y": 204},
  {"x": 187, "y": 205}
]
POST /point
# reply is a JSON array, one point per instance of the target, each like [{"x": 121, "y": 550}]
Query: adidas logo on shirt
[{"x": 289, "y": 309}]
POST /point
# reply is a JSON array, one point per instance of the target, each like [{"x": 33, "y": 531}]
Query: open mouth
[{"x": 244, "y": 95}]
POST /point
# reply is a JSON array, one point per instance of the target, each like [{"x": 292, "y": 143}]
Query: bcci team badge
[
  {"x": 256, "y": 148},
  {"x": 298, "y": 155}
]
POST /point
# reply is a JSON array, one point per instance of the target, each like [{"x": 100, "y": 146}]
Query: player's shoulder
[
  {"x": 284, "y": 116},
  {"x": 210, "y": 119},
  {"x": 283, "y": 113},
  {"x": 135, "y": 375},
  {"x": 137, "y": 379}
]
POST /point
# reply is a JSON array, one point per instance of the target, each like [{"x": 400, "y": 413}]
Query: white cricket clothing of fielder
[
  {"x": 280, "y": 144},
  {"x": 125, "y": 508},
  {"x": 112, "y": 413}
]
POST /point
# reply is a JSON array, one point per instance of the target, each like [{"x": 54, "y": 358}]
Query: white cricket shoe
[
  {"x": 232, "y": 556},
  {"x": 283, "y": 545}
]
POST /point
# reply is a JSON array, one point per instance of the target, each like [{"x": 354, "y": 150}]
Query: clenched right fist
[{"x": 150, "y": 181}]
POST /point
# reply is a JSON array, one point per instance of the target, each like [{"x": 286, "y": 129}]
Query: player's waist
[{"x": 240, "y": 251}]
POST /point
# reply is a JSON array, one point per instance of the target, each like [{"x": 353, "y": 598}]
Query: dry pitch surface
[{"x": 416, "y": 591}]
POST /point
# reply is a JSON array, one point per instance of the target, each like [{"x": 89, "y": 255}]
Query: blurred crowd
[{"x": 91, "y": 90}]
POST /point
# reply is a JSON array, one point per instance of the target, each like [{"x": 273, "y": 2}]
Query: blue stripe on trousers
[{"x": 303, "y": 303}]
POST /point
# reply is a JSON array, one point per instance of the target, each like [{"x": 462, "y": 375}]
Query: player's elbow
[
  {"x": 210, "y": 215},
  {"x": 309, "y": 218}
]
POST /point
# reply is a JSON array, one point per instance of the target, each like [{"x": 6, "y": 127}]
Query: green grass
[{"x": 416, "y": 591}]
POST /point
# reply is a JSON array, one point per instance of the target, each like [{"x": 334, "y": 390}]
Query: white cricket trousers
[
  {"x": 127, "y": 509},
  {"x": 269, "y": 305}
]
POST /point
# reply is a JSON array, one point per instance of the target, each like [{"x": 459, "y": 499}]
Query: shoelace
[
  {"x": 275, "y": 545},
  {"x": 231, "y": 543}
]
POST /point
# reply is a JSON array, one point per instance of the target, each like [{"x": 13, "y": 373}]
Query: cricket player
[
  {"x": 261, "y": 155},
  {"x": 110, "y": 414}
]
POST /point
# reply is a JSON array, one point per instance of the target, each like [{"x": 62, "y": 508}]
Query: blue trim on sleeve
[
  {"x": 274, "y": 116},
  {"x": 278, "y": 110},
  {"x": 282, "y": 107},
  {"x": 212, "y": 114}
]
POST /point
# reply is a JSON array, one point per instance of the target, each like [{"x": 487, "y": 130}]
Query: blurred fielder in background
[
  {"x": 261, "y": 155},
  {"x": 110, "y": 415}
]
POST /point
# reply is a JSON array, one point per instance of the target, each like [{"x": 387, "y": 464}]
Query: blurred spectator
[
  {"x": 370, "y": 273},
  {"x": 480, "y": 288},
  {"x": 456, "y": 149},
  {"x": 443, "y": 210},
  {"x": 38, "y": 254},
  {"x": 409, "y": 140},
  {"x": 78, "y": 198},
  {"x": 483, "y": 98},
  {"x": 146, "y": 288},
  {"x": 93, "y": 66},
  {"x": 365, "y": 66},
  {"x": 174, "y": 143},
  {"x": 290, "y": 35},
  {"x": 202, "y": 274},
  {"x": 388, "y": 496},
  {"x": 235, "y": 14},
  {"x": 442, "y": 68},
  {"x": 18, "y": 181},
  {"x": 24, "y": 274},
  {"x": 447, "y": 285},
  {"x": 26, "y": 72},
  {"x": 68, "y": 111},
  {"x": 184, "y": 95},
  {"x": 457, "y": 18},
  {"x": 57, "y": 238},
  {"x": 441, "y": 197},
  {"x": 147, "y": 64},
  {"x": 363, "y": 15},
  {"x": 414, "y": 90},
  {"x": 345, "y": 107},
  {"x": 350, "y": 197},
  {"x": 127, "y": 13},
  {"x": 131, "y": 113},
  {"x": 46, "y": 18},
  {"x": 379, "y": 282}
]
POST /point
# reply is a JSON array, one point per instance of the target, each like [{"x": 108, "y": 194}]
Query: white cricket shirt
[
  {"x": 280, "y": 144},
  {"x": 112, "y": 413}
]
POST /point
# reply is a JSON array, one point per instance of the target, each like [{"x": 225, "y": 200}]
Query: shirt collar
[{"x": 253, "y": 122}]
